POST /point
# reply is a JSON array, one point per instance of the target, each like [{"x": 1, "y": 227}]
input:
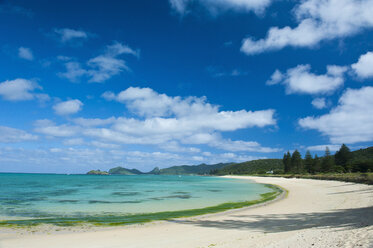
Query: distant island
[
  {"x": 342, "y": 162},
  {"x": 97, "y": 172},
  {"x": 124, "y": 171},
  {"x": 202, "y": 169}
]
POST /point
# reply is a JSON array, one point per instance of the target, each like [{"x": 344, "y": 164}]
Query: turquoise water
[{"x": 24, "y": 196}]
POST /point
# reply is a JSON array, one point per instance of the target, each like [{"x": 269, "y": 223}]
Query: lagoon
[{"x": 38, "y": 197}]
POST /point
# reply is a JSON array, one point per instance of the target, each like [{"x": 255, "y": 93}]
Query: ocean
[{"x": 58, "y": 199}]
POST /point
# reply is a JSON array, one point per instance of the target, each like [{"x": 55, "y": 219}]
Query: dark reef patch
[
  {"x": 60, "y": 192},
  {"x": 125, "y": 193},
  {"x": 178, "y": 196},
  {"x": 68, "y": 201},
  {"x": 215, "y": 190}
]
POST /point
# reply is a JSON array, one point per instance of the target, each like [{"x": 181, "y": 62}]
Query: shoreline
[
  {"x": 33, "y": 224},
  {"x": 314, "y": 213}
]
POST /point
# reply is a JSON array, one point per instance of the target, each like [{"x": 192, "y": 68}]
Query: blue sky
[{"x": 141, "y": 84}]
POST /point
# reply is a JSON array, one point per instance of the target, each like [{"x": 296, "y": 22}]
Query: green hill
[
  {"x": 97, "y": 172},
  {"x": 362, "y": 160},
  {"x": 363, "y": 154},
  {"x": 155, "y": 171},
  {"x": 201, "y": 169},
  {"x": 260, "y": 166},
  {"x": 123, "y": 171}
]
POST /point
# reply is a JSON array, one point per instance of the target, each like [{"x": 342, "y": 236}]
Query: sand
[{"x": 314, "y": 214}]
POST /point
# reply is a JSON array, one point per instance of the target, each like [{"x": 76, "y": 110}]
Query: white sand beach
[{"x": 314, "y": 214}]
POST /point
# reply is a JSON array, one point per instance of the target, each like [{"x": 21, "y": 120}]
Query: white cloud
[
  {"x": 18, "y": 89},
  {"x": 198, "y": 158},
  {"x": 49, "y": 128},
  {"x": 202, "y": 138},
  {"x": 93, "y": 122},
  {"x": 215, "y": 140},
  {"x": 146, "y": 102},
  {"x": 104, "y": 145},
  {"x": 364, "y": 67},
  {"x": 189, "y": 112},
  {"x": 179, "y": 5},
  {"x": 300, "y": 80},
  {"x": 217, "y": 6},
  {"x": 74, "y": 142},
  {"x": 207, "y": 154},
  {"x": 169, "y": 123},
  {"x": 42, "y": 98},
  {"x": 319, "y": 103},
  {"x": 331, "y": 147},
  {"x": 132, "y": 155},
  {"x": 243, "y": 146},
  {"x": 191, "y": 117},
  {"x": 109, "y": 96},
  {"x": 318, "y": 20},
  {"x": 101, "y": 67},
  {"x": 118, "y": 48},
  {"x": 68, "y": 34},
  {"x": 13, "y": 135},
  {"x": 190, "y": 120},
  {"x": 350, "y": 122},
  {"x": 68, "y": 107},
  {"x": 232, "y": 157},
  {"x": 112, "y": 135},
  {"x": 25, "y": 53},
  {"x": 74, "y": 71},
  {"x": 174, "y": 146},
  {"x": 276, "y": 78},
  {"x": 105, "y": 67}
]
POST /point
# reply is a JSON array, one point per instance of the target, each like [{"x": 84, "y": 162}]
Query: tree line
[{"x": 343, "y": 161}]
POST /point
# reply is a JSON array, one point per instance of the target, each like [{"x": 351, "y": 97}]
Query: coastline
[
  {"x": 56, "y": 222},
  {"x": 315, "y": 213}
]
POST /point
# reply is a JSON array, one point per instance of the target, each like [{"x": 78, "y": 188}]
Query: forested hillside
[
  {"x": 342, "y": 161},
  {"x": 260, "y": 166},
  {"x": 201, "y": 169}
]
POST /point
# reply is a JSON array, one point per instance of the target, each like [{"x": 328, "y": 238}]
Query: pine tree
[
  {"x": 287, "y": 162},
  {"x": 296, "y": 162},
  {"x": 316, "y": 165},
  {"x": 327, "y": 162},
  {"x": 343, "y": 156},
  {"x": 284, "y": 162},
  {"x": 308, "y": 162}
]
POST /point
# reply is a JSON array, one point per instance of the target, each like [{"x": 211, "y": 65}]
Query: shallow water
[{"x": 77, "y": 196}]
